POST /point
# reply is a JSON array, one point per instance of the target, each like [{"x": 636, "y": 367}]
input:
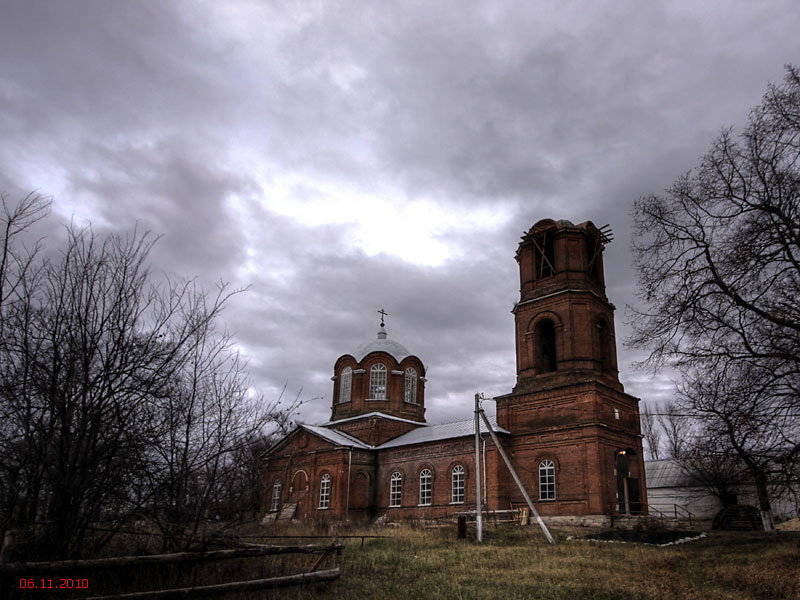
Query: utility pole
[
  {"x": 513, "y": 472},
  {"x": 478, "y": 518}
]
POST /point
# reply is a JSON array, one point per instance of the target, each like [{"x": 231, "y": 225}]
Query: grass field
[
  {"x": 517, "y": 563},
  {"x": 512, "y": 563}
]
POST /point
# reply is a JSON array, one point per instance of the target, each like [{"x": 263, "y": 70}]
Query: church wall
[
  {"x": 300, "y": 465},
  {"x": 440, "y": 457}
]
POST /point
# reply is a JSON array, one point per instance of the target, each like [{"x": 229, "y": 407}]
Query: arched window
[
  {"x": 411, "y": 385},
  {"x": 325, "y": 491},
  {"x": 547, "y": 480},
  {"x": 377, "y": 382},
  {"x": 276, "y": 495},
  {"x": 345, "y": 385},
  {"x": 544, "y": 336},
  {"x": 594, "y": 258},
  {"x": 396, "y": 489},
  {"x": 457, "y": 487},
  {"x": 544, "y": 256},
  {"x": 425, "y": 485},
  {"x": 604, "y": 345}
]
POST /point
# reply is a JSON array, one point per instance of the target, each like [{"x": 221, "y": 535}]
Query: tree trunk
[{"x": 764, "y": 505}]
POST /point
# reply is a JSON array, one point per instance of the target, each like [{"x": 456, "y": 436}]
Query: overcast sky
[{"x": 344, "y": 157}]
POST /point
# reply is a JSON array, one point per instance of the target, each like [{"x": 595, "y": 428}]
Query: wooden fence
[{"x": 9, "y": 571}]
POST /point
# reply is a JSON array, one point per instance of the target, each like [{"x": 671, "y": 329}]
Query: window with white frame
[
  {"x": 547, "y": 480},
  {"x": 411, "y": 385},
  {"x": 325, "y": 491},
  {"x": 377, "y": 382},
  {"x": 425, "y": 484},
  {"x": 276, "y": 494},
  {"x": 457, "y": 487},
  {"x": 396, "y": 489},
  {"x": 345, "y": 385}
]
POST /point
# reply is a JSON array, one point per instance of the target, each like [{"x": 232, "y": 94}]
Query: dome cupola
[
  {"x": 382, "y": 344},
  {"x": 380, "y": 376}
]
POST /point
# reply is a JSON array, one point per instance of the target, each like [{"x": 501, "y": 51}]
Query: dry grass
[
  {"x": 517, "y": 563},
  {"x": 513, "y": 563}
]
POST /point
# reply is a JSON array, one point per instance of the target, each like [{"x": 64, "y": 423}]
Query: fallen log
[
  {"x": 161, "y": 559},
  {"x": 234, "y": 586}
]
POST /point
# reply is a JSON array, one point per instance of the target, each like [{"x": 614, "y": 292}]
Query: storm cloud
[{"x": 340, "y": 157}]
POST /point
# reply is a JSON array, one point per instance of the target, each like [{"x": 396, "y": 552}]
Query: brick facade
[{"x": 570, "y": 429}]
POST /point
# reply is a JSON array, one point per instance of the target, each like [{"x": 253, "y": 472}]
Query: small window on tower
[
  {"x": 345, "y": 385},
  {"x": 594, "y": 253},
  {"x": 605, "y": 345},
  {"x": 543, "y": 256},
  {"x": 411, "y": 386},
  {"x": 377, "y": 382},
  {"x": 545, "y": 346}
]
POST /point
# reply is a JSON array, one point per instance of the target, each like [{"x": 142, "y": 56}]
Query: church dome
[{"x": 382, "y": 344}]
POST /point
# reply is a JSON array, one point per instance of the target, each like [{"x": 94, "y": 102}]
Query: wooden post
[{"x": 8, "y": 541}]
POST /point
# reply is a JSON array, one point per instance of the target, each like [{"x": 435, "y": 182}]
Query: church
[{"x": 568, "y": 427}]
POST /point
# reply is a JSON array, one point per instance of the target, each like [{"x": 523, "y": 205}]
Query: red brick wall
[
  {"x": 394, "y": 404},
  {"x": 576, "y": 427}
]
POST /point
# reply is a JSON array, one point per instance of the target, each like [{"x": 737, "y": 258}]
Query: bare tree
[
  {"x": 718, "y": 255},
  {"x": 15, "y": 258},
  {"x": 117, "y": 394},
  {"x": 718, "y": 258},
  {"x": 742, "y": 416},
  {"x": 208, "y": 417},
  {"x": 714, "y": 466},
  {"x": 651, "y": 431},
  {"x": 17, "y": 271},
  {"x": 677, "y": 428}
]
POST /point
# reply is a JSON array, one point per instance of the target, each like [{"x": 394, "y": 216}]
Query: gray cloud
[{"x": 191, "y": 118}]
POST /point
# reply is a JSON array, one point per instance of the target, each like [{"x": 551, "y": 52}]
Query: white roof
[
  {"x": 396, "y": 349},
  {"x": 445, "y": 431},
  {"x": 337, "y": 437},
  {"x": 382, "y": 344},
  {"x": 421, "y": 435},
  {"x": 665, "y": 474},
  {"x": 373, "y": 414}
]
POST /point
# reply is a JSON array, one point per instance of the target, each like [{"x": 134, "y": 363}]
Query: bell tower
[
  {"x": 564, "y": 321},
  {"x": 568, "y": 413}
]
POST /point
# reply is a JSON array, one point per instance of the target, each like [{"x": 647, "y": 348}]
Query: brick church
[{"x": 571, "y": 431}]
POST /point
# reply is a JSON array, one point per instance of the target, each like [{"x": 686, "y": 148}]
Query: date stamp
[{"x": 61, "y": 583}]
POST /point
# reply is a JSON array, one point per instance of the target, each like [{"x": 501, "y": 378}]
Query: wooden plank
[
  {"x": 234, "y": 586},
  {"x": 160, "y": 559}
]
